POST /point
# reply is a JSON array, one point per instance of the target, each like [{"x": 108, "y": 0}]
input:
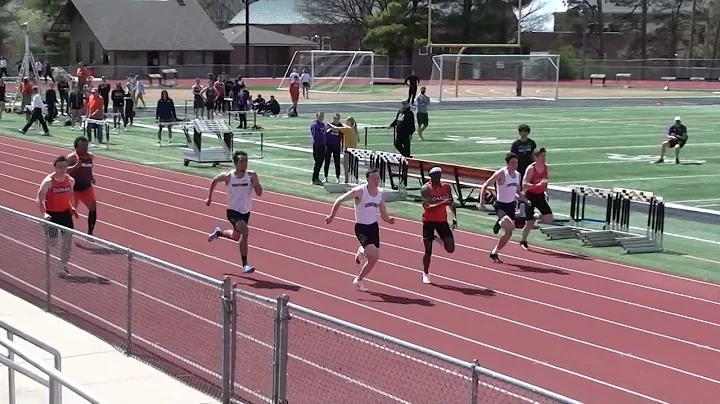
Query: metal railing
[
  {"x": 646, "y": 69},
  {"x": 55, "y": 378},
  {"x": 224, "y": 341}
]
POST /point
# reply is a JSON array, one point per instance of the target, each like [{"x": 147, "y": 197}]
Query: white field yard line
[
  {"x": 449, "y": 303},
  {"x": 370, "y": 308},
  {"x": 698, "y": 200},
  {"x": 708, "y": 206},
  {"x": 675, "y": 177},
  {"x": 575, "y": 149},
  {"x": 326, "y": 204}
]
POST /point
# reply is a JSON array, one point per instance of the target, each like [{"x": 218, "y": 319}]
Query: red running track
[{"x": 596, "y": 331}]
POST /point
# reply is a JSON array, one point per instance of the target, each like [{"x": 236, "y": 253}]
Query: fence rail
[
  {"x": 226, "y": 342},
  {"x": 646, "y": 69}
]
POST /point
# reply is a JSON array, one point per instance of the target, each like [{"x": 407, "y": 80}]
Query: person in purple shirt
[{"x": 318, "y": 133}]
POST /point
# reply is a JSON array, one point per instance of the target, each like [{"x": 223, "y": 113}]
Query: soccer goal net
[
  {"x": 333, "y": 71},
  {"x": 494, "y": 77}
]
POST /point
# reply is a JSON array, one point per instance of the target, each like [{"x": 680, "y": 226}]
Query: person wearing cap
[
  {"x": 524, "y": 149},
  {"x": 437, "y": 196},
  {"x": 95, "y": 112},
  {"x": 677, "y": 137},
  {"x": 404, "y": 125}
]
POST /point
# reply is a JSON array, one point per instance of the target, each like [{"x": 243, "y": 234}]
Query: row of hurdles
[
  {"x": 624, "y": 79},
  {"x": 398, "y": 173}
]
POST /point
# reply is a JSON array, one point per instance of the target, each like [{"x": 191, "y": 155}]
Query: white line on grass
[
  {"x": 615, "y": 180},
  {"x": 569, "y": 149},
  {"x": 697, "y": 200}
]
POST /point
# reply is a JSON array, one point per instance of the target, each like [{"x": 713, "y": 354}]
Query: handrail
[
  {"x": 53, "y": 374},
  {"x": 57, "y": 359}
]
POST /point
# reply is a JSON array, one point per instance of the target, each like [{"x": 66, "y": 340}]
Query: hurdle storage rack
[{"x": 616, "y": 228}]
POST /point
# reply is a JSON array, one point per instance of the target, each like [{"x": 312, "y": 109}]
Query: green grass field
[{"x": 608, "y": 147}]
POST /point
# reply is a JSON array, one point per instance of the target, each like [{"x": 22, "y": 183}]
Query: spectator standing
[
  {"x": 423, "y": 119},
  {"x": 36, "y": 103},
  {"x": 333, "y": 144},
  {"x": 118, "y": 106},
  {"x": 48, "y": 72},
  {"x": 51, "y": 100},
  {"x": 524, "y": 149},
  {"x": 306, "y": 81},
  {"x": 3, "y": 67},
  {"x": 404, "y": 125},
  {"x": 3, "y": 94},
  {"x": 244, "y": 106},
  {"x": 139, "y": 97},
  {"x": 82, "y": 74},
  {"x": 130, "y": 101},
  {"x": 63, "y": 88},
  {"x": 412, "y": 81},
  {"x": 76, "y": 102},
  {"x": 26, "y": 92},
  {"x": 40, "y": 68},
  {"x": 104, "y": 90},
  {"x": 318, "y": 134},
  {"x": 95, "y": 112},
  {"x": 165, "y": 116}
]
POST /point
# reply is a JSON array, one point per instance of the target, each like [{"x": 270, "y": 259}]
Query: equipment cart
[{"x": 196, "y": 152}]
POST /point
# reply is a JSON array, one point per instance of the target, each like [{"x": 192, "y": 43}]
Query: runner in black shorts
[
  {"x": 368, "y": 234},
  {"x": 677, "y": 137},
  {"x": 436, "y": 198},
  {"x": 234, "y": 217},
  {"x": 535, "y": 185}
]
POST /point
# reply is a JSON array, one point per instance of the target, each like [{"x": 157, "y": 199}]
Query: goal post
[
  {"x": 494, "y": 77},
  {"x": 333, "y": 71}
]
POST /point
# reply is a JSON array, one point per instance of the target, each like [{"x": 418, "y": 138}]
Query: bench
[
  {"x": 461, "y": 178},
  {"x": 697, "y": 78},
  {"x": 597, "y": 76},
  {"x": 624, "y": 77},
  {"x": 155, "y": 76}
]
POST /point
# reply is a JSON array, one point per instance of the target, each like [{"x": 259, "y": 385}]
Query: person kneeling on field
[{"x": 677, "y": 137}]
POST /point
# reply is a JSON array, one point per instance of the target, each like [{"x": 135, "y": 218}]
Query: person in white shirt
[
  {"x": 140, "y": 87},
  {"x": 40, "y": 69},
  {"x": 305, "y": 81},
  {"x": 36, "y": 114},
  {"x": 3, "y": 67},
  {"x": 294, "y": 93},
  {"x": 509, "y": 190},
  {"x": 240, "y": 183},
  {"x": 368, "y": 202}
]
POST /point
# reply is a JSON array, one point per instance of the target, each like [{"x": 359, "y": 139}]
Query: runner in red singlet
[
  {"x": 436, "y": 196},
  {"x": 81, "y": 165},
  {"x": 535, "y": 183},
  {"x": 55, "y": 201}
]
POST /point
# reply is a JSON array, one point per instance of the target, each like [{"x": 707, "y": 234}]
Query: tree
[
  {"x": 221, "y": 12},
  {"x": 352, "y": 12},
  {"x": 536, "y": 17},
  {"x": 399, "y": 28}
]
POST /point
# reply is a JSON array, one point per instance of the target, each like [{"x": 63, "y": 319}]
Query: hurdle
[
  {"x": 368, "y": 127},
  {"x": 96, "y": 127},
  {"x": 615, "y": 230},
  {"x": 597, "y": 76},
  {"x": 623, "y": 78}
]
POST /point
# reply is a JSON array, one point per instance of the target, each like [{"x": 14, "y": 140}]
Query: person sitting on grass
[
  {"x": 259, "y": 104},
  {"x": 273, "y": 107},
  {"x": 677, "y": 137},
  {"x": 165, "y": 116}
]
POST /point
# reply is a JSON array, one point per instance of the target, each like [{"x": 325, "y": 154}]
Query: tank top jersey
[
  {"x": 366, "y": 208},
  {"x": 239, "y": 191},
  {"x": 438, "y": 213},
  {"x": 506, "y": 193},
  {"x": 83, "y": 172},
  {"x": 536, "y": 176},
  {"x": 59, "y": 195},
  {"x": 210, "y": 93},
  {"x": 196, "y": 90}
]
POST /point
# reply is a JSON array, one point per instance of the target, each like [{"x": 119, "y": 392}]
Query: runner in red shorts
[
  {"x": 80, "y": 168},
  {"x": 436, "y": 196}
]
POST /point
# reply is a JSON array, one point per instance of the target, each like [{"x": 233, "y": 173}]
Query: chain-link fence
[
  {"x": 645, "y": 69},
  {"x": 226, "y": 342}
]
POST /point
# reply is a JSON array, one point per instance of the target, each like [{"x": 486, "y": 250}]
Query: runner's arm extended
[
  {"x": 351, "y": 194},
  {"x": 490, "y": 181},
  {"x": 222, "y": 177},
  {"x": 384, "y": 213}
]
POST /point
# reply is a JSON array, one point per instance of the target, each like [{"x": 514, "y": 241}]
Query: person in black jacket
[
  {"x": 165, "y": 116},
  {"x": 118, "y": 106},
  {"x": 3, "y": 94},
  {"x": 104, "y": 90},
  {"x": 404, "y": 125},
  {"x": 63, "y": 88},
  {"x": 51, "y": 101},
  {"x": 76, "y": 103}
]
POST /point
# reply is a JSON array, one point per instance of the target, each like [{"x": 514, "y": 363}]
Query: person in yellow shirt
[{"x": 350, "y": 133}]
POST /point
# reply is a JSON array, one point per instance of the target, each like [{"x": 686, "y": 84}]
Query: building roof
[
  {"x": 262, "y": 37},
  {"x": 275, "y": 12},
  {"x": 146, "y": 25}
]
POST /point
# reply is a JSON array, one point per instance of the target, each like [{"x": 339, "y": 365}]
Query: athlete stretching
[
  {"x": 508, "y": 191},
  {"x": 368, "y": 201},
  {"x": 81, "y": 166},
  {"x": 55, "y": 201},
  {"x": 240, "y": 184},
  {"x": 436, "y": 196}
]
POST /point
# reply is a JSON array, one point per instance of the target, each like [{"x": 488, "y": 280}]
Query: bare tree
[
  {"x": 537, "y": 16},
  {"x": 222, "y": 11},
  {"x": 353, "y": 12}
]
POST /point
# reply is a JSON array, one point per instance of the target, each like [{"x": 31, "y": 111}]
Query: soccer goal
[
  {"x": 334, "y": 71},
  {"x": 494, "y": 77}
]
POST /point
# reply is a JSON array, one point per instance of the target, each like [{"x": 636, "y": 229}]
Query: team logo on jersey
[
  {"x": 371, "y": 205},
  {"x": 61, "y": 190},
  {"x": 240, "y": 184}
]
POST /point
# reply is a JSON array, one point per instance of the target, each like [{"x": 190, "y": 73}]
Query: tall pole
[{"x": 247, "y": 38}]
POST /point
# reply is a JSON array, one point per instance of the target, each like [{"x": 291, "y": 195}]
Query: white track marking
[{"x": 326, "y": 206}]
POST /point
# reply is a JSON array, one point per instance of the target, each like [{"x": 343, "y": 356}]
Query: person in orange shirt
[
  {"x": 82, "y": 74},
  {"x": 95, "y": 108},
  {"x": 26, "y": 93},
  {"x": 436, "y": 197},
  {"x": 56, "y": 204}
]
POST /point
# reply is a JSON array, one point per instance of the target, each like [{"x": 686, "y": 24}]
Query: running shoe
[
  {"x": 496, "y": 228},
  {"x": 524, "y": 245},
  {"x": 214, "y": 235},
  {"x": 63, "y": 272},
  {"x": 426, "y": 279},
  {"x": 248, "y": 269},
  {"x": 359, "y": 284},
  {"x": 494, "y": 257}
]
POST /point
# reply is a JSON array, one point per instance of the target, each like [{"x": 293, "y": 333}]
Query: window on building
[
  {"x": 91, "y": 52},
  {"x": 194, "y": 58},
  {"x": 78, "y": 52},
  {"x": 106, "y": 58}
]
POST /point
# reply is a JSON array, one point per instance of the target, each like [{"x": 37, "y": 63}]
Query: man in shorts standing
[
  {"x": 81, "y": 163},
  {"x": 240, "y": 183},
  {"x": 535, "y": 183},
  {"x": 423, "y": 119},
  {"x": 55, "y": 201},
  {"x": 677, "y": 137},
  {"x": 523, "y": 148},
  {"x": 509, "y": 187},
  {"x": 436, "y": 197},
  {"x": 368, "y": 202}
]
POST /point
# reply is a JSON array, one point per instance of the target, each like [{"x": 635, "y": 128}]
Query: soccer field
[{"x": 602, "y": 147}]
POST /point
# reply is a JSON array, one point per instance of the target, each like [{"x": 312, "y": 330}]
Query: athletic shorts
[
  {"x": 64, "y": 219},
  {"x": 368, "y": 234},
  {"x": 539, "y": 202},
  {"x": 234, "y": 216},
  {"x": 423, "y": 118},
  {"x": 441, "y": 228},
  {"x": 306, "y": 86},
  {"x": 677, "y": 142},
  {"x": 210, "y": 105},
  {"x": 86, "y": 196},
  {"x": 505, "y": 209}
]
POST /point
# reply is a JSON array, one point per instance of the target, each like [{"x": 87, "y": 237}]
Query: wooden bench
[
  {"x": 597, "y": 76},
  {"x": 624, "y": 77},
  {"x": 461, "y": 178}
]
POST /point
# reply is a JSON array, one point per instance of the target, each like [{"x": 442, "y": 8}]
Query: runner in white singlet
[
  {"x": 241, "y": 183},
  {"x": 509, "y": 190},
  {"x": 368, "y": 202}
]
